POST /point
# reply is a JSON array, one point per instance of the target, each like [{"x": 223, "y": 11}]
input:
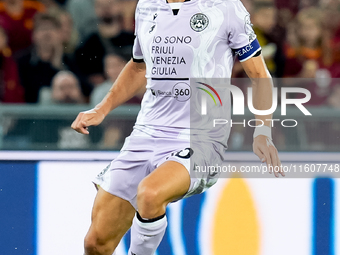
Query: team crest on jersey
[{"x": 199, "y": 22}]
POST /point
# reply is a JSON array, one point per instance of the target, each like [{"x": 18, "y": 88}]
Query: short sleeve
[
  {"x": 137, "y": 53},
  {"x": 242, "y": 38}
]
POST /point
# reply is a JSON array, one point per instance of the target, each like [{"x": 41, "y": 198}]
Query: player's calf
[
  {"x": 146, "y": 234},
  {"x": 111, "y": 218}
]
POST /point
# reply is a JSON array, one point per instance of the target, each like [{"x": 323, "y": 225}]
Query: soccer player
[{"x": 175, "y": 42}]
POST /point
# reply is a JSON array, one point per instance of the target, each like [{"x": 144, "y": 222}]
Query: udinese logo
[{"x": 199, "y": 22}]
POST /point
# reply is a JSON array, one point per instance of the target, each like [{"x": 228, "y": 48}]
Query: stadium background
[
  {"x": 46, "y": 193},
  {"x": 45, "y": 209}
]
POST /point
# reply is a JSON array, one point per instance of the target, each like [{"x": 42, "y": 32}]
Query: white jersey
[{"x": 201, "y": 41}]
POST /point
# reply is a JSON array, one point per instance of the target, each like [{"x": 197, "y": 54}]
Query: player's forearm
[
  {"x": 130, "y": 81},
  {"x": 263, "y": 98},
  {"x": 262, "y": 86}
]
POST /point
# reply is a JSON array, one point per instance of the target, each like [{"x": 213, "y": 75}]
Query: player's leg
[
  {"x": 167, "y": 183},
  {"x": 111, "y": 218}
]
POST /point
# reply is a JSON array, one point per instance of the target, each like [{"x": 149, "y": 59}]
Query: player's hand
[
  {"x": 86, "y": 119},
  {"x": 264, "y": 148}
]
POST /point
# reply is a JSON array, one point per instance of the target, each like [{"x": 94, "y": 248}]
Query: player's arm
[
  {"x": 262, "y": 85},
  {"x": 130, "y": 82}
]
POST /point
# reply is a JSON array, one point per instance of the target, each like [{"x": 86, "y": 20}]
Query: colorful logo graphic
[{"x": 209, "y": 93}]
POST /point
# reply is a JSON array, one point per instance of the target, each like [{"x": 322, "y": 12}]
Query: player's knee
[
  {"x": 148, "y": 201},
  {"x": 91, "y": 245},
  {"x": 94, "y": 246}
]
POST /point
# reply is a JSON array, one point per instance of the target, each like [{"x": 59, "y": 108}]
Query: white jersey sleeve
[
  {"x": 242, "y": 38},
  {"x": 137, "y": 53}
]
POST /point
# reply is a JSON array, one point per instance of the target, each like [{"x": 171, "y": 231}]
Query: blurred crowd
[
  {"x": 54, "y": 52},
  {"x": 300, "y": 42},
  {"x": 70, "y": 51}
]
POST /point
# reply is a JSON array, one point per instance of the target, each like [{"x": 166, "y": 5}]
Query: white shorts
[{"x": 142, "y": 153}]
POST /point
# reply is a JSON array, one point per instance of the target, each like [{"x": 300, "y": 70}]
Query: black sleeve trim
[
  {"x": 138, "y": 60},
  {"x": 258, "y": 53}
]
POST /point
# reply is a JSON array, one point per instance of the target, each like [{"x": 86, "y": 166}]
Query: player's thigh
[
  {"x": 111, "y": 218},
  {"x": 170, "y": 181}
]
